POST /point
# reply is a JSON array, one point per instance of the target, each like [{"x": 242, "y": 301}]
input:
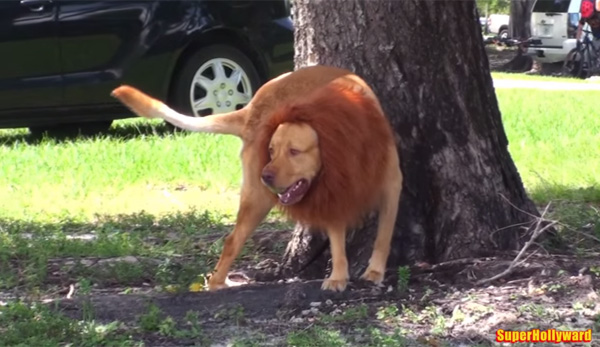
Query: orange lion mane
[{"x": 353, "y": 142}]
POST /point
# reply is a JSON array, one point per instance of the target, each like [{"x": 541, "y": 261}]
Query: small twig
[
  {"x": 526, "y": 259},
  {"x": 462, "y": 261},
  {"x": 542, "y": 248},
  {"x": 516, "y": 262},
  {"x": 521, "y": 210},
  {"x": 71, "y": 291}
]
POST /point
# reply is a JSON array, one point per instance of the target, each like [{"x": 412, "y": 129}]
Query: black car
[{"x": 60, "y": 59}]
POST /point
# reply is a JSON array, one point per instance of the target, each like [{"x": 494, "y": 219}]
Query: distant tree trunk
[
  {"x": 426, "y": 62},
  {"x": 520, "y": 28},
  {"x": 520, "y": 18}
]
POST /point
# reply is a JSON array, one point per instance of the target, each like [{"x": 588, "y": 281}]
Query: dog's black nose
[{"x": 268, "y": 177}]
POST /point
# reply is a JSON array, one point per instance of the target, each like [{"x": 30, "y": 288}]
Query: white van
[{"x": 553, "y": 28}]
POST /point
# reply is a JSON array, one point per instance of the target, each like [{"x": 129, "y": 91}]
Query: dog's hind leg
[
  {"x": 255, "y": 204},
  {"x": 388, "y": 212},
  {"x": 338, "y": 279}
]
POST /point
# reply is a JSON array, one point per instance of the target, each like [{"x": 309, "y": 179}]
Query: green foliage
[
  {"x": 349, "y": 315},
  {"x": 403, "y": 278},
  {"x": 493, "y": 6},
  {"x": 316, "y": 337},
  {"x": 379, "y": 339},
  {"x": 151, "y": 320}
]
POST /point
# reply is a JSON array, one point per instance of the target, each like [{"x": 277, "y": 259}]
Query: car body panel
[
  {"x": 497, "y": 22},
  {"x": 553, "y": 26},
  {"x": 102, "y": 44},
  {"x": 30, "y": 71}
]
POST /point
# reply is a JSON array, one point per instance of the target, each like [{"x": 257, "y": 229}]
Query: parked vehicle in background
[
  {"x": 61, "y": 58},
  {"x": 553, "y": 29},
  {"x": 483, "y": 22},
  {"x": 497, "y": 24}
]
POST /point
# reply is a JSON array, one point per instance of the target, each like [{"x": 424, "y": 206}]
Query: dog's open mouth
[{"x": 294, "y": 193}]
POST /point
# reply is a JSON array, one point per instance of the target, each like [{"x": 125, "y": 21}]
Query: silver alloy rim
[{"x": 220, "y": 85}]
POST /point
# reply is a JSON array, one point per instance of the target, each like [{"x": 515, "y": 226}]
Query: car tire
[
  {"x": 71, "y": 129},
  {"x": 214, "y": 79},
  {"x": 503, "y": 34}
]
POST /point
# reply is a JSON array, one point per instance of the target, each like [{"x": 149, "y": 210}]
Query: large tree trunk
[{"x": 426, "y": 62}]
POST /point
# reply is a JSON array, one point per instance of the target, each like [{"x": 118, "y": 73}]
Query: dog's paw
[
  {"x": 373, "y": 276},
  {"x": 216, "y": 286},
  {"x": 336, "y": 285}
]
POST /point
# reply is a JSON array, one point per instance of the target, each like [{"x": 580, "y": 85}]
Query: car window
[
  {"x": 551, "y": 6},
  {"x": 575, "y": 6}
]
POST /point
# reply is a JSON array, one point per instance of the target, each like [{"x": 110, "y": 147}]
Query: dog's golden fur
[{"x": 318, "y": 140}]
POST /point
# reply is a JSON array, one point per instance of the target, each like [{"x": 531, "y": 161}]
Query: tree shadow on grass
[
  {"x": 121, "y": 131},
  {"x": 123, "y": 250}
]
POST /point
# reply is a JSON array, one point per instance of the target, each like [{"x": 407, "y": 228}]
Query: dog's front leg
[
  {"x": 255, "y": 204},
  {"x": 338, "y": 279},
  {"x": 388, "y": 211}
]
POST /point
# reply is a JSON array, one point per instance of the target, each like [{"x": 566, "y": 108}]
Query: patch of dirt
[{"x": 442, "y": 303}]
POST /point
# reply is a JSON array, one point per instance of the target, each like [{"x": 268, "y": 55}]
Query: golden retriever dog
[{"x": 316, "y": 144}]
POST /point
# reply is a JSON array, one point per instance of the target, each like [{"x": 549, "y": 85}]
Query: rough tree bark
[{"x": 426, "y": 62}]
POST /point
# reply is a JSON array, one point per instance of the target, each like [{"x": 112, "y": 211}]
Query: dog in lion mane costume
[{"x": 317, "y": 145}]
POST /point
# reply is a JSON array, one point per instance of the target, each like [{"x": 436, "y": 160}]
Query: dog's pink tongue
[
  {"x": 285, "y": 198},
  {"x": 291, "y": 194}
]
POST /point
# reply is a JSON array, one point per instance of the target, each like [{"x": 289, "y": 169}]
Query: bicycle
[{"x": 582, "y": 61}]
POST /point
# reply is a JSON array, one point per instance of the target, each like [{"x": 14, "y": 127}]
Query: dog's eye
[{"x": 294, "y": 151}]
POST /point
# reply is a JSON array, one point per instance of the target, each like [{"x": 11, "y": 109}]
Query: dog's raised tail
[{"x": 145, "y": 106}]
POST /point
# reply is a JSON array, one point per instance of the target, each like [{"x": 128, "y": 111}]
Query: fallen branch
[{"x": 516, "y": 262}]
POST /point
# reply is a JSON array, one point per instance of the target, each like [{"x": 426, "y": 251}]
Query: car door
[
  {"x": 30, "y": 75},
  {"x": 99, "y": 40}
]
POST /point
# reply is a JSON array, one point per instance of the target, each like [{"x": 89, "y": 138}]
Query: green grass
[
  {"x": 554, "y": 140},
  {"x": 554, "y": 136},
  {"x": 117, "y": 174}
]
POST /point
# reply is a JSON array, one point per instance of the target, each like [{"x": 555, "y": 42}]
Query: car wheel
[
  {"x": 215, "y": 79},
  {"x": 572, "y": 64},
  {"x": 72, "y": 129},
  {"x": 503, "y": 34}
]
